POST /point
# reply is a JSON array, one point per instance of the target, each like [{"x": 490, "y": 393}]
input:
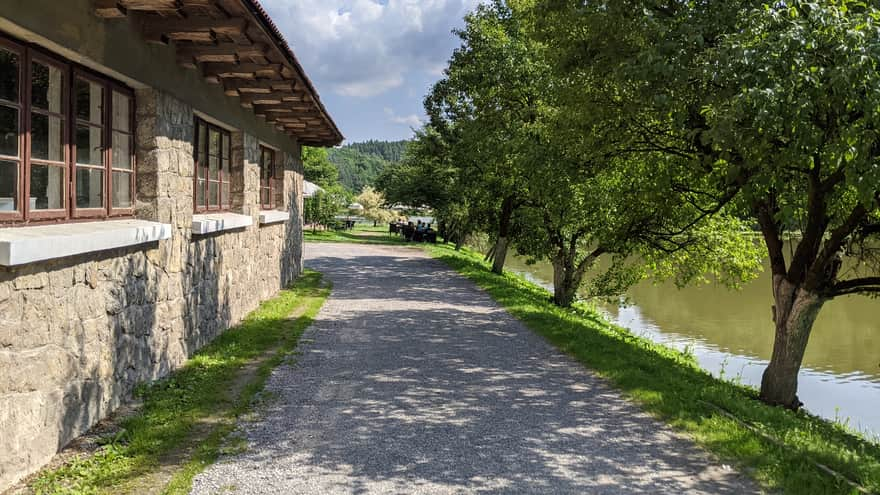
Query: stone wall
[{"x": 78, "y": 334}]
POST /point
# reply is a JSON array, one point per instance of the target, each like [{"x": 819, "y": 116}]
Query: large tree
[
  {"x": 768, "y": 110},
  {"x": 485, "y": 105}
]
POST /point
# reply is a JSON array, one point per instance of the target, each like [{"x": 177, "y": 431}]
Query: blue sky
[{"x": 372, "y": 60}]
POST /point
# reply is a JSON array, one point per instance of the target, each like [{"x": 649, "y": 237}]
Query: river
[{"x": 731, "y": 335}]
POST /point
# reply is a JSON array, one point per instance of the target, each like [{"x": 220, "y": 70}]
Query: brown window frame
[
  {"x": 23, "y": 215},
  {"x": 268, "y": 179},
  {"x": 224, "y": 201}
]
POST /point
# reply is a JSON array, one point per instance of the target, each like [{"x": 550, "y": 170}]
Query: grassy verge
[
  {"x": 184, "y": 419},
  {"x": 670, "y": 385},
  {"x": 360, "y": 235}
]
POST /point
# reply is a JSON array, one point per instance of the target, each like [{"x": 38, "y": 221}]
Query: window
[
  {"x": 212, "y": 179},
  {"x": 66, "y": 140},
  {"x": 269, "y": 185}
]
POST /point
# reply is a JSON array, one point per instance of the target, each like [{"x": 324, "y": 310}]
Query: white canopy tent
[{"x": 310, "y": 189}]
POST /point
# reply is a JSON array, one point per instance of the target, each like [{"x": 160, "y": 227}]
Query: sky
[{"x": 372, "y": 61}]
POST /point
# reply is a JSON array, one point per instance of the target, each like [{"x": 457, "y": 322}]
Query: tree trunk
[
  {"x": 499, "y": 255},
  {"x": 794, "y": 313},
  {"x": 564, "y": 286},
  {"x": 507, "y": 207}
]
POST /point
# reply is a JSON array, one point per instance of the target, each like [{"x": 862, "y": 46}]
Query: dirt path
[{"x": 412, "y": 380}]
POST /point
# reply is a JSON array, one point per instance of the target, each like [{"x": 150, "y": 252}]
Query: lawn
[
  {"x": 362, "y": 234},
  {"x": 186, "y": 418}
]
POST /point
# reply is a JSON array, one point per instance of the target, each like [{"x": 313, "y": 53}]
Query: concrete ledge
[
  {"x": 218, "y": 222},
  {"x": 273, "y": 216},
  {"x": 19, "y": 246}
]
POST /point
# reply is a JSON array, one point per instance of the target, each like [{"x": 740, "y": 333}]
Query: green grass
[
  {"x": 361, "y": 234},
  {"x": 186, "y": 417},
  {"x": 670, "y": 385}
]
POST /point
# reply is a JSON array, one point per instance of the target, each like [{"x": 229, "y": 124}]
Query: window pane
[
  {"x": 202, "y": 144},
  {"x": 8, "y": 131},
  {"x": 213, "y": 194},
  {"x": 227, "y": 152},
  {"x": 89, "y": 188},
  {"x": 214, "y": 148},
  {"x": 213, "y": 167},
  {"x": 264, "y": 196},
  {"x": 8, "y": 77},
  {"x": 88, "y": 145},
  {"x": 200, "y": 193},
  {"x": 121, "y": 112},
  {"x": 121, "y": 150},
  {"x": 224, "y": 166},
  {"x": 89, "y": 101},
  {"x": 46, "y": 85},
  {"x": 8, "y": 186},
  {"x": 46, "y": 138},
  {"x": 227, "y": 196},
  {"x": 121, "y": 190},
  {"x": 47, "y": 187}
]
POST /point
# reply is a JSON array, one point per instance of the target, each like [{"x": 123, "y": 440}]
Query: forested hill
[{"x": 360, "y": 163}]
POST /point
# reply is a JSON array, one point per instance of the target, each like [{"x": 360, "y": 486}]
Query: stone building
[{"x": 150, "y": 197}]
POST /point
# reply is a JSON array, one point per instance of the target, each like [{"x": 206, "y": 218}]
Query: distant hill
[{"x": 360, "y": 163}]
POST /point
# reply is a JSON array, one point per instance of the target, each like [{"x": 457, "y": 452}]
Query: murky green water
[{"x": 732, "y": 334}]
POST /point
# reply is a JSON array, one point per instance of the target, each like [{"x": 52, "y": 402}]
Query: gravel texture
[{"x": 412, "y": 380}]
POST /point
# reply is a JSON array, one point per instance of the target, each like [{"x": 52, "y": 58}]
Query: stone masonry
[{"x": 78, "y": 334}]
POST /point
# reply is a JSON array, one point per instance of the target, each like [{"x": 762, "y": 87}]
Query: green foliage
[
  {"x": 317, "y": 167},
  {"x": 322, "y": 208},
  {"x": 359, "y": 164},
  {"x": 205, "y": 389},
  {"x": 374, "y": 203},
  {"x": 390, "y": 151},
  {"x": 766, "y": 111}
]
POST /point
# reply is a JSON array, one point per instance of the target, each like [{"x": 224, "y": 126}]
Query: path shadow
[{"x": 414, "y": 378}]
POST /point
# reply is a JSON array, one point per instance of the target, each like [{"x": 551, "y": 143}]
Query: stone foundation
[{"x": 78, "y": 334}]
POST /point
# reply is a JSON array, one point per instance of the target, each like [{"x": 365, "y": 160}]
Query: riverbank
[
  {"x": 183, "y": 422},
  {"x": 783, "y": 450}
]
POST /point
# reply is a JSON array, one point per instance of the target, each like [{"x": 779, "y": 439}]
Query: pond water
[{"x": 731, "y": 334}]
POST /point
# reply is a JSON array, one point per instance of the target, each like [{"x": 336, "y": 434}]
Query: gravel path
[{"x": 412, "y": 380}]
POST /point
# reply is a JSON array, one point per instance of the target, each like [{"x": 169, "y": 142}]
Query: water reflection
[{"x": 731, "y": 335}]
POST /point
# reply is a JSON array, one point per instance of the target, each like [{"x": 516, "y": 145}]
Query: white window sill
[
  {"x": 19, "y": 246},
  {"x": 218, "y": 222},
  {"x": 273, "y": 216}
]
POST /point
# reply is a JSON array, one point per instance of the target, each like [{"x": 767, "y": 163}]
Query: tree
[
  {"x": 373, "y": 202},
  {"x": 768, "y": 111},
  {"x": 483, "y": 108},
  {"x": 322, "y": 208},
  {"x": 317, "y": 167}
]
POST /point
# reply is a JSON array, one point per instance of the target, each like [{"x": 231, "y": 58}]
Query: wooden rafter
[
  {"x": 235, "y": 87},
  {"x": 233, "y": 46},
  {"x": 200, "y": 29}
]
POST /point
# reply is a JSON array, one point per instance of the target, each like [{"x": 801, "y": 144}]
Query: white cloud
[
  {"x": 413, "y": 121},
  {"x": 364, "y": 48}
]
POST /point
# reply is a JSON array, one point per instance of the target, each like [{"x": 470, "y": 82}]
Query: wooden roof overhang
[{"x": 235, "y": 44}]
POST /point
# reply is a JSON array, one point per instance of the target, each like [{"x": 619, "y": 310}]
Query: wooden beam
[
  {"x": 263, "y": 86},
  {"x": 240, "y": 71},
  {"x": 109, "y": 9},
  {"x": 282, "y": 107},
  {"x": 152, "y": 5},
  {"x": 220, "y": 52},
  {"x": 274, "y": 98},
  {"x": 202, "y": 29}
]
